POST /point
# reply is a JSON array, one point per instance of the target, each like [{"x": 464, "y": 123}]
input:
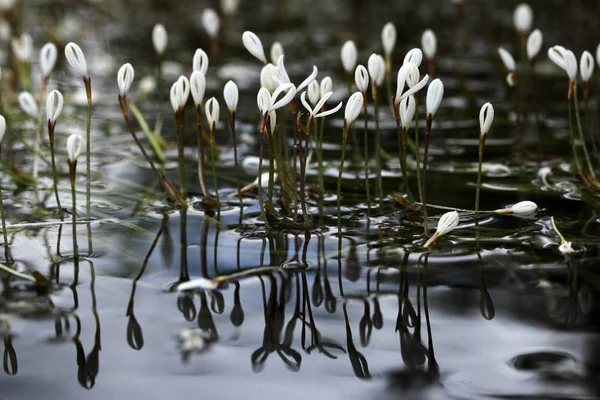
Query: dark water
[{"x": 510, "y": 318}]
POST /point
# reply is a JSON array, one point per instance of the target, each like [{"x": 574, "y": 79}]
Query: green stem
[
  {"x": 213, "y": 161},
  {"x": 366, "y": 138},
  {"x": 271, "y": 146},
  {"x": 562, "y": 239},
  {"x": 74, "y": 213},
  {"x": 339, "y": 185},
  {"x": 180, "y": 122},
  {"x": 7, "y": 258},
  {"x": 200, "y": 144},
  {"x": 417, "y": 149},
  {"x": 260, "y": 187},
  {"x": 425, "y": 157},
  {"x": 153, "y": 137},
  {"x": 235, "y": 156},
  {"x": 478, "y": 187},
  {"x": 378, "y": 151},
  {"x": 572, "y": 140},
  {"x": 580, "y": 130},
  {"x": 320, "y": 178},
  {"x": 88, "y": 152},
  {"x": 55, "y": 180}
]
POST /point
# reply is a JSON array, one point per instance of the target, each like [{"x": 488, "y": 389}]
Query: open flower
[
  {"x": 447, "y": 223},
  {"x": 286, "y": 79},
  {"x": 409, "y": 75},
  {"x": 314, "y": 112},
  {"x": 268, "y": 102}
]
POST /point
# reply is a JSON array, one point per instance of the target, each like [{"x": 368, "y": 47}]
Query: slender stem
[
  {"x": 235, "y": 155},
  {"x": 535, "y": 106},
  {"x": 562, "y": 238},
  {"x": 580, "y": 130},
  {"x": 180, "y": 123},
  {"x": 425, "y": 157},
  {"x": 54, "y": 173},
  {"x": 72, "y": 167},
  {"x": 295, "y": 152},
  {"x": 320, "y": 178},
  {"x": 572, "y": 140},
  {"x": 213, "y": 161},
  {"x": 417, "y": 149},
  {"x": 38, "y": 136},
  {"x": 339, "y": 185},
  {"x": 478, "y": 187},
  {"x": 400, "y": 144},
  {"x": 7, "y": 258},
  {"x": 271, "y": 145},
  {"x": 88, "y": 152},
  {"x": 201, "y": 164},
  {"x": 303, "y": 173},
  {"x": 366, "y": 139},
  {"x": 260, "y": 162}
]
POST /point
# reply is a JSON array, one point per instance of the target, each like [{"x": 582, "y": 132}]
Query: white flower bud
[
  {"x": 447, "y": 223},
  {"x": 523, "y": 18},
  {"x": 435, "y": 93},
  {"x": 429, "y": 43},
  {"x": 76, "y": 59},
  {"x": 200, "y": 61},
  {"x": 253, "y": 44},
  {"x": 180, "y": 92},
  {"x": 269, "y": 77},
  {"x": 74, "y": 147},
  {"x": 414, "y": 56},
  {"x": 566, "y": 247},
  {"x": 125, "y": 78},
  {"x": 2, "y": 128},
  {"x": 276, "y": 52},
  {"x": 212, "y": 111},
  {"x": 586, "y": 66},
  {"x": 231, "y": 95},
  {"x": 48, "y": 55},
  {"x": 199, "y": 283},
  {"x": 314, "y": 93},
  {"x": 159, "y": 39},
  {"x": 22, "y": 47},
  {"x": 407, "y": 111},
  {"x": 388, "y": 38},
  {"x": 353, "y": 108},
  {"x": 349, "y": 55},
  {"x": 263, "y": 100},
  {"x": 361, "y": 78},
  {"x": 28, "y": 104},
  {"x": 229, "y": 7},
  {"x": 571, "y": 65},
  {"x": 211, "y": 22},
  {"x": 54, "y": 106},
  {"x": 534, "y": 44},
  {"x": 507, "y": 60},
  {"x": 376, "y": 66},
  {"x": 197, "y": 87},
  {"x": 521, "y": 208},
  {"x": 565, "y": 59},
  {"x": 326, "y": 85},
  {"x": 486, "y": 117},
  {"x": 147, "y": 85}
]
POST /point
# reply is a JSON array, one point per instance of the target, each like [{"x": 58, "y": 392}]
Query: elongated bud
[
  {"x": 349, "y": 55},
  {"x": 76, "y": 59},
  {"x": 212, "y": 111},
  {"x": 435, "y": 93},
  {"x": 361, "y": 78},
  {"x": 210, "y": 22},
  {"x": 429, "y": 44},
  {"x": 269, "y": 77},
  {"x": 74, "y": 147},
  {"x": 507, "y": 60},
  {"x": 353, "y": 108},
  {"x": 326, "y": 85},
  {"x": 54, "y": 106},
  {"x": 376, "y": 66},
  {"x": 2, "y": 127},
  {"x": 586, "y": 66},
  {"x": 571, "y": 65},
  {"x": 200, "y": 61},
  {"x": 263, "y": 100},
  {"x": 22, "y": 47},
  {"x": 197, "y": 87},
  {"x": 565, "y": 59},
  {"x": 521, "y": 208},
  {"x": 486, "y": 117},
  {"x": 48, "y": 55},
  {"x": 388, "y": 38},
  {"x": 229, "y": 7},
  {"x": 159, "y": 39},
  {"x": 28, "y": 104},
  {"x": 407, "y": 111},
  {"x": 447, "y": 223},
  {"x": 534, "y": 44},
  {"x": 125, "y": 78},
  {"x": 414, "y": 56},
  {"x": 276, "y": 52},
  {"x": 523, "y": 18},
  {"x": 254, "y": 46},
  {"x": 231, "y": 95},
  {"x": 180, "y": 92},
  {"x": 314, "y": 93}
]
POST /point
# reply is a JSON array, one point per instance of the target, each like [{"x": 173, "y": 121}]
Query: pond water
[{"x": 369, "y": 313}]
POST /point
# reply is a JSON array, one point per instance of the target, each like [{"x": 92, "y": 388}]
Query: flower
[
  {"x": 354, "y": 106},
  {"x": 76, "y": 59},
  {"x": 447, "y": 223},
  {"x": 229, "y": 7},
  {"x": 286, "y": 79},
  {"x": 414, "y": 56},
  {"x": 54, "y": 106},
  {"x": 22, "y": 47},
  {"x": 212, "y": 111},
  {"x": 586, "y": 66},
  {"x": 180, "y": 92},
  {"x": 2, "y": 127},
  {"x": 565, "y": 59},
  {"x": 200, "y": 61},
  {"x": 197, "y": 87},
  {"x": 429, "y": 44},
  {"x": 254, "y": 46},
  {"x": 409, "y": 73},
  {"x": 159, "y": 39},
  {"x": 269, "y": 77},
  {"x": 388, "y": 38},
  {"x": 361, "y": 78},
  {"x": 507, "y": 59},
  {"x": 520, "y": 208},
  {"x": 28, "y": 104},
  {"x": 522, "y": 18},
  {"x": 48, "y": 55},
  {"x": 314, "y": 112},
  {"x": 276, "y": 52},
  {"x": 326, "y": 84},
  {"x": 435, "y": 92},
  {"x": 231, "y": 95},
  {"x": 486, "y": 117},
  {"x": 74, "y": 147},
  {"x": 210, "y": 21},
  {"x": 407, "y": 111},
  {"x": 566, "y": 247},
  {"x": 314, "y": 92},
  {"x": 268, "y": 102},
  {"x": 147, "y": 85},
  {"x": 376, "y": 66},
  {"x": 349, "y": 55},
  {"x": 125, "y": 78},
  {"x": 534, "y": 44}
]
